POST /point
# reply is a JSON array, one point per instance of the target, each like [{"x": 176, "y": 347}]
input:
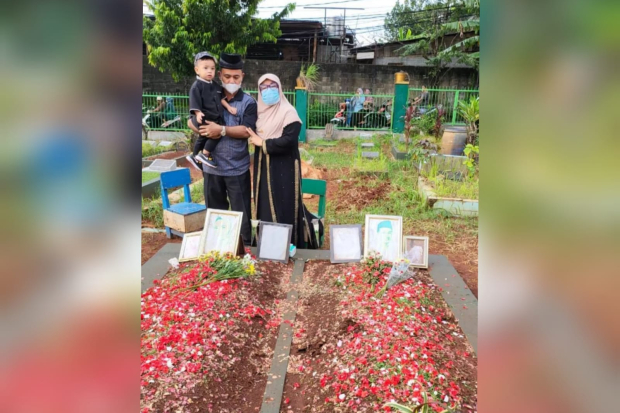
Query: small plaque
[
  {"x": 370, "y": 155},
  {"x": 162, "y": 165},
  {"x": 365, "y": 136},
  {"x": 368, "y": 145},
  {"x": 164, "y": 143}
]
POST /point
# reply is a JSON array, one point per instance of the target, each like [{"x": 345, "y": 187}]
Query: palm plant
[
  {"x": 309, "y": 76},
  {"x": 471, "y": 113}
]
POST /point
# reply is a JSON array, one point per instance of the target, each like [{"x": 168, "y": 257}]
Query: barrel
[{"x": 453, "y": 140}]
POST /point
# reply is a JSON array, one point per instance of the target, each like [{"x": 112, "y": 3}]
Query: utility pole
[{"x": 344, "y": 29}]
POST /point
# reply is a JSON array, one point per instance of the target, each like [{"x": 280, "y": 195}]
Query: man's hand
[
  {"x": 211, "y": 130},
  {"x": 199, "y": 117}
]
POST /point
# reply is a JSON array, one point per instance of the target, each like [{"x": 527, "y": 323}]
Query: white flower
[
  {"x": 410, "y": 382},
  {"x": 342, "y": 396},
  {"x": 445, "y": 399},
  {"x": 339, "y": 343},
  {"x": 169, "y": 363}
]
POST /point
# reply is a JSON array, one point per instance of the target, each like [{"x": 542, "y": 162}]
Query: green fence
[
  {"x": 448, "y": 98},
  {"x": 375, "y": 113},
  {"x": 174, "y": 112}
]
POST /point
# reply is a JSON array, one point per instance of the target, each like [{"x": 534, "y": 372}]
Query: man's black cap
[
  {"x": 231, "y": 61},
  {"x": 203, "y": 55}
]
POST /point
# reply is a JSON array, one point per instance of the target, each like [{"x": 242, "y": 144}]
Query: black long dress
[{"x": 277, "y": 183}]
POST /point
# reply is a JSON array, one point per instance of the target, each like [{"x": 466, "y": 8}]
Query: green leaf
[{"x": 399, "y": 407}]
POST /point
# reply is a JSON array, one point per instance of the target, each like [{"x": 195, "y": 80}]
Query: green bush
[
  {"x": 319, "y": 114},
  {"x": 150, "y": 150}
]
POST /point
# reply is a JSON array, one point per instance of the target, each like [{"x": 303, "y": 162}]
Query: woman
[
  {"x": 277, "y": 165},
  {"x": 357, "y": 104}
]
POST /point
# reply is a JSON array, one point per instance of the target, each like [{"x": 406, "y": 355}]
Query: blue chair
[{"x": 183, "y": 217}]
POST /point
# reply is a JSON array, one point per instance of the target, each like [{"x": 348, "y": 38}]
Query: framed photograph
[
  {"x": 384, "y": 235},
  {"x": 345, "y": 243},
  {"x": 274, "y": 241},
  {"x": 190, "y": 248},
  {"x": 221, "y": 231},
  {"x": 416, "y": 251}
]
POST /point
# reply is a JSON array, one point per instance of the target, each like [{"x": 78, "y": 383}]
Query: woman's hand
[{"x": 254, "y": 138}]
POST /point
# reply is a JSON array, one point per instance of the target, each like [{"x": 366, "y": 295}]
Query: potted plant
[
  {"x": 308, "y": 76},
  {"x": 471, "y": 113}
]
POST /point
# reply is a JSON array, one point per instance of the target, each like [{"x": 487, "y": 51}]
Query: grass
[
  {"x": 150, "y": 150},
  {"x": 467, "y": 189},
  {"x": 447, "y": 188},
  {"x": 153, "y": 212},
  {"x": 149, "y": 176},
  {"x": 403, "y": 199},
  {"x": 371, "y": 165}
]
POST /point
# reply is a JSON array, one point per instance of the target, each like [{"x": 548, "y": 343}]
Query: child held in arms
[{"x": 206, "y": 103}]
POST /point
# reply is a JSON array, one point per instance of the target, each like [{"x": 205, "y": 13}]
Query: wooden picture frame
[
  {"x": 270, "y": 255},
  {"x": 390, "y": 230},
  {"x": 357, "y": 239},
  {"x": 409, "y": 240},
  {"x": 223, "y": 237},
  {"x": 191, "y": 241}
]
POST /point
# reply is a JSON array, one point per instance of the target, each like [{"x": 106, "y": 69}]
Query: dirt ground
[
  {"x": 152, "y": 242},
  {"x": 319, "y": 318}
]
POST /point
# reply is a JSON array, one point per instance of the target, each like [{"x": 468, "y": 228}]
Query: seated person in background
[
  {"x": 342, "y": 112},
  {"x": 422, "y": 99}
]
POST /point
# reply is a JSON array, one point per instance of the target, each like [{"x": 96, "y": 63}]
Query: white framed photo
[
  {"x": 345, "y": 243},
  {"x": 384, "y": 235},
  {"x": 190, "y": 247},
  {"x": 274, "y": 242},
  {"x": 221, "y": 231},
  {"x": 416, "y": 251}
]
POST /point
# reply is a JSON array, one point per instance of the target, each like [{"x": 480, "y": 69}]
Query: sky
[{"x": 367, "y": 23}]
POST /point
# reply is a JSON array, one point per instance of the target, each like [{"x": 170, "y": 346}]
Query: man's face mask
[{"x": 231, "y": 87}]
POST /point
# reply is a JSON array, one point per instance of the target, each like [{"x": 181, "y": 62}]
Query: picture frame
[
  {"x": 221, "y": 231},
  {"x": 274, "y": 241},
  {"x": 410, "y": 242},
  {"x": 190, "y": 247},
  {"x": 346, "y": 243},
  {"x": 384, "y": 234}
]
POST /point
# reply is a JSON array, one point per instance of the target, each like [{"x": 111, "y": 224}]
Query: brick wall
[{"x": 335, "y": 78}]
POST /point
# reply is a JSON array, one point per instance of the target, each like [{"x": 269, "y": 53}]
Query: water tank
[{"x": 335, "y": 27}]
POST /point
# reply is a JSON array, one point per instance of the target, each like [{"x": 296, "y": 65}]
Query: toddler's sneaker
[
  {"x": 206, "y": 160},
  {"x": 192, "y": 161}
]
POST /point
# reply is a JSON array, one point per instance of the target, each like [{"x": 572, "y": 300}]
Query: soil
[
  {"x": 318, "y": 316},
  {"x": 168, "y": 155},
  {"x": 243, "y": 385},
  {"x": 153, "y": 242}
]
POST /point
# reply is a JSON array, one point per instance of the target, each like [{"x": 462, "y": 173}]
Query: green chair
[{"x": 316, "y": 187}]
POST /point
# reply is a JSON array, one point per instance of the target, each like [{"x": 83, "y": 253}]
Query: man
[{"x": 229, "y": 185}]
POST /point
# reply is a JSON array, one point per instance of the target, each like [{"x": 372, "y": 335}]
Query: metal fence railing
[
  {"x": 448, "y": 98},
  {"x": 174, "y": 109},
  {"x": 373, "y": 112}
]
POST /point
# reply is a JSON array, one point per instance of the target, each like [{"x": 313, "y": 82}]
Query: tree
[
  {"x": 419, "y": 16},
  {"x": 182, "y": 28},
  {"x": 462, "y": 47}
]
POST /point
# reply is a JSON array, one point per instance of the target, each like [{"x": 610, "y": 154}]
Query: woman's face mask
[{"x": 270, "y": 96}]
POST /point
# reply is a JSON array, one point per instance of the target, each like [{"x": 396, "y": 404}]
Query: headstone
[
  {"x": 152, "y": 143},
  {"x": 162, "y": 165},
  {"x": 165, "y": 143},
  {"x": 365, "y": 136},
  {"x": 368, "y": 145},
  {"x": 370, "y": 155}
]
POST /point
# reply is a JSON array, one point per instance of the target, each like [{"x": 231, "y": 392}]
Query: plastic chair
[
  {"x": 173, "y": 179},
  {"x": 316, "y": 187}
]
